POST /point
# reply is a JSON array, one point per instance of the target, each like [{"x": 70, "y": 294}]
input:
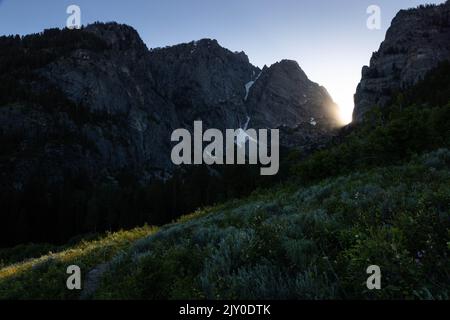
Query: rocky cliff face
[
  {"x": 124, "y": 101},
  {"x": 204, "y": 82},
  {"x": 417, "y": 41},
  {"x": 283, "y": 97}
]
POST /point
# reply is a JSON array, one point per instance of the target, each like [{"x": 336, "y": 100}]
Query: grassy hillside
[
  {"x": 45, "y": 277},
  {"x": 293, "y": 242}
]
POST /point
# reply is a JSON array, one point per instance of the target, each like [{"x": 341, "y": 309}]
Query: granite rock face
[
  {"x": 204, "y": 82},
  {"x": 132, "y": 99},
  {"x": 417, "y": 41},
  {"x": 283, "y": 97}
]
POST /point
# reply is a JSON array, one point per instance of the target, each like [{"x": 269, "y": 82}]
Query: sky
[{"x": 328, "y": 38}]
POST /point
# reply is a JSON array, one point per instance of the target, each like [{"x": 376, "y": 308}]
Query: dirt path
[{"x": 93, "y": 280}]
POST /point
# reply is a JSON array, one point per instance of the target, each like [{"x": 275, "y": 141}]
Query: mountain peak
[
  {"x": 206, "y": 42},
  {"x": 117, "y": 36},
  {"x": 283, "y": 95},
  {"x": 291, "y": 67},
  {"x": 205, "y": 46}
]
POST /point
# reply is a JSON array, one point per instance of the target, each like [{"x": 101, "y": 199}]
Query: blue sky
[{"x": 328, "y": 38}]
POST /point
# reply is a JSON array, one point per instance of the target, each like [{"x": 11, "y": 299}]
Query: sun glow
[
  {"x": 342, "y": 92},
  {"x": 345, "y": 113}
]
